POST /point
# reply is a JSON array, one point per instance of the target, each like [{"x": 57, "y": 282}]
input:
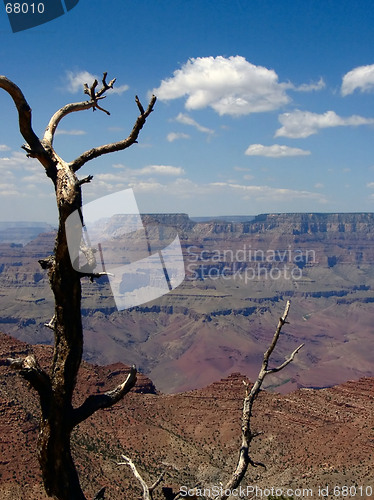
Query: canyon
[
  {"x": 238, "y": 277},
  {"x": 309, "y": 439}
]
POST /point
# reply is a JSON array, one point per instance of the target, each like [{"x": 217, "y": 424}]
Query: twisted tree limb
[{"x": 106, "y": 400}]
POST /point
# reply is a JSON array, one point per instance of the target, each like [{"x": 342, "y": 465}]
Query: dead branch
[
  {"x": 147, "y": 490},
  {"x": 120, "y": 145},
  {"x": 106, "y": 400},
  {"x": 247, "y": 434},
  {"x": 77, "y": 106},
  {"x": 130, "y": 463},
  {"x": 24, "y": 117},
  {"x": 24, "y": 112},
  {"x": 156, "y": 483},
  {"x": 85, "y": 180},
  {"x": 100, "y": 494},
  {"x": 31, "y": 371},
  {"x": 52, "y": 323}
]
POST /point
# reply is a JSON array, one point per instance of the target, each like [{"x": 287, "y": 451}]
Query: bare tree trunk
[
  {"x": 58, "y": 417},
  {"x": 58, "y": 470},
  {"x": 248, "y": 435}
]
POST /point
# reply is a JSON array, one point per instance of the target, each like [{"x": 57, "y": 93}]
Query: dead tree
[
  {"x": 55, "y": 389},
  {"x": 247, "y": 434}
]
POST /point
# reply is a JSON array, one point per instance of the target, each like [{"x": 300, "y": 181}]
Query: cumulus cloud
[
  {"x": 361, "y": 78},
  {"x": 77, "y": 79},
  {"x": 301, "y": 124},
  {"x": 274, "y": 151},
  {"x": 187, "y": 120},
  {"x": 231, "y": 86},
  {"x": 310, "y": 87},
  {"x": 173, "y": 136},
  {"x": 4, "y": 147}
]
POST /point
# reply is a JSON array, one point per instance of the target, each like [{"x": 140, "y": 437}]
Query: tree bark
[
  {"x": 59, "y": 473},
  {"x": 58, "y": 417}
]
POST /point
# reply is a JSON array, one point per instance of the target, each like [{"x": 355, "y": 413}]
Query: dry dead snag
[
  {"x": 247, "y": 435},
  {"x": 55, "y": 389}
]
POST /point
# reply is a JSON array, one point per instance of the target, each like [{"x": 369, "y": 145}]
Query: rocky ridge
[
  {"x": 223, "y": 314},
  {"x": 310, "y": 438}
]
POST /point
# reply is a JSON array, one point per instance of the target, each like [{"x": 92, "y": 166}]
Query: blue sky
[{"x": 263, "y": 106}]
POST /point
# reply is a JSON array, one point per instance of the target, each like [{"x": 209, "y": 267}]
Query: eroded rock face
[
  {"x": 238, "y": 276},
  {"x": 309, "y": 437}
]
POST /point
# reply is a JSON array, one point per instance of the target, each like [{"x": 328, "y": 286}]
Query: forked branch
[
  {"x": 78, "y": 106},
  {"x": 147, "y": 490},
  {"x": 130, "y": 463},
  {"x": 247, "y": 434},
  {"x": 120, "y": 145}
]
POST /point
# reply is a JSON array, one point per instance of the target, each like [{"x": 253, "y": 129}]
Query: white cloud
[
  {"x": 159, "y": 170},
  {"x": 361, "y": 78},
  {"x": 268, "y": 192},
  {"x": 309, "y": 87},
  {"x": 185, "y": 195},
  {"x": 274, "y": 151},
  {"x": 76, "y": 81},
  {"x": 128, "y": 175},
  {"x": 173, "y": 136},
  {"x": 109, "y": 177},
  {"x": 70, "y": 132},
  {"x": 187, "y": 120},
  {"x": 301, "y": 124},
  {"x": 370, "y": 185},
  {"x": 242, "y": 169},
  {"x": 119, "y": 89},
  {"x": 142, "y": 186},
  {"x": 231, "y": 86},
  {"x": 19, "y": 161},
  {"x": 7, "y": 189},
  {"x": 4, "y": 147}
]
